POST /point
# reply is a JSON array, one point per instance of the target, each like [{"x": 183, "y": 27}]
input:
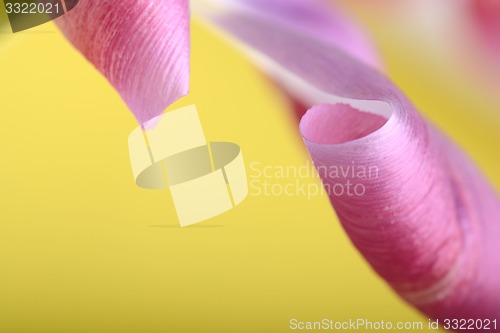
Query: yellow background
[{"x": 82, "y": 249}]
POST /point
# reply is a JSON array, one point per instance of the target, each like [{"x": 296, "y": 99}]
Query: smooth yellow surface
[
  {"x": 83, "y": 249},
  {"x": 201, "y": 198}
]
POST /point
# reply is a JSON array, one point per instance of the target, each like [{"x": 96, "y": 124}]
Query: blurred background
[{"x": 82, "y": 249}]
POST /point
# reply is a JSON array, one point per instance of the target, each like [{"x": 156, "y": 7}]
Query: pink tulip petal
[
  {"x": 317, "y": 20},
  {"x": 427, "y": 222},
  {"x": 141, "y": 47},
  {"x": 321, "y": 20}
]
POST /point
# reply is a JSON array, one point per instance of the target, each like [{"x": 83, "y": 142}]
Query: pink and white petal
[
  {"x": 317, "y": 20},
  {"x": 322, "y": 20}
]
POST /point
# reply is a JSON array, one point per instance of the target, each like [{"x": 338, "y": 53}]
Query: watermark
[
  {"x": 366, "y": 325},
  {"x": 328, "y": 324},
  {"x": 26, "y": 14},
  {"x": 303, "y": 180}
]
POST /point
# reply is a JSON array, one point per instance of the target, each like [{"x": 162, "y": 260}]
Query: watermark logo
[
  {"x": 205, "y": 179},
  {"x": 26, "y": 14},
  {"x": 295, "y": 180}
]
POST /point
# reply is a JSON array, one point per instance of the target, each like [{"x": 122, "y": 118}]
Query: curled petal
[
  {"x": 423, "y": 216},
  {"x": 141, "y": 47}
]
